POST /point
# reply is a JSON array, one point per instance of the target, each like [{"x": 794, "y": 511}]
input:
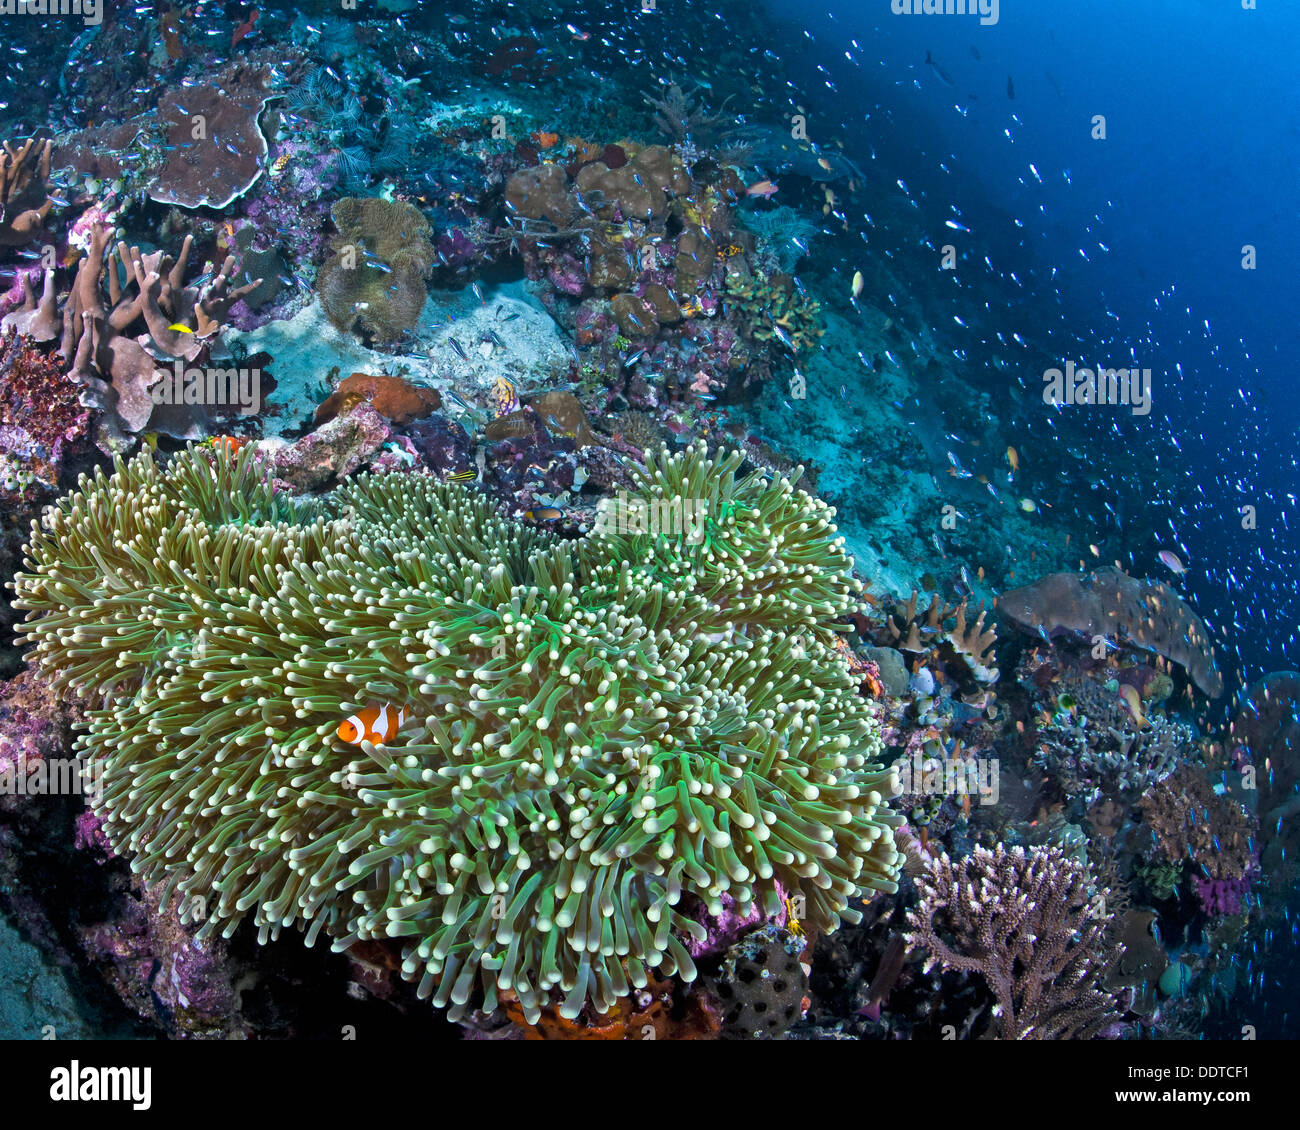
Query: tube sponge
[{"x": 597, "y": 728}]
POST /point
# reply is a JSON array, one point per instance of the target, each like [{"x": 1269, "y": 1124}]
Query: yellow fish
[
  {"x": 180, "y": 328},
  {"x": 1133, "y": 701},
  {"x": 462, "y": 476},
  {"x": 858, "y": 283},
  {"x": 1013, "y": 458},
  {"x": 1028, "y": 505}
]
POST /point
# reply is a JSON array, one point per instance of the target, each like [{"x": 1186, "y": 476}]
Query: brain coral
[{"x": 599, "y": 728}]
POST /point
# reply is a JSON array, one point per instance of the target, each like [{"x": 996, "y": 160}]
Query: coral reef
[
  {"x": 1024, "y": 922},
  {"x": 529, "y": 830},
  {"x": 108, "y": 346},
  {"x": 375, "y": 281},
  {"x": 1088, "y": 739},
  {"x": 965, "y": 650},
  {"x": 42, "y": 421},
  {"x": 204, "y": 143},
  {"x": 773, "y": 308},
  {"x": 1268, "y": 724},
  {"x": 397, "y": 400},
  {"x": 1190, "y": 822},
  {"x": 1113, "y": 605},
  {"x": 24, "y": 200}
]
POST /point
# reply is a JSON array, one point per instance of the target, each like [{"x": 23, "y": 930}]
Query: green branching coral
[
  {"x": 599, "y": 728},
  {"x": 768, "y": 305}
]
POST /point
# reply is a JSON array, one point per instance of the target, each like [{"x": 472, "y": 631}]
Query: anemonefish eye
[{"x": 348, "y": 731}]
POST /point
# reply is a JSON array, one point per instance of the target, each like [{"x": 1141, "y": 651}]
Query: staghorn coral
[
  {"x": 1110, "y": 603},
  {"x": 1088, "y": 739},
  {"x": 582, "y": 751},
  {"x": 375, "y": 281},
  {"x": 1023, "y": 921}
]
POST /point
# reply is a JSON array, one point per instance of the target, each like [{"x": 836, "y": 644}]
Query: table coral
[{"x": 1110, "y": 603}]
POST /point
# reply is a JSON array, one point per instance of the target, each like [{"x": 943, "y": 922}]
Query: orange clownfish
[{"x": 375, "y": 724}]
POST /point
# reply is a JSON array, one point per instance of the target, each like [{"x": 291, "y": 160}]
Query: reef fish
[
  {"x": 764, "y": 188},
  {"x": 505, "y": 399},
  {"x": 1172, "y": 562},
  {"x": 374, "y": 724},
  {"x": 1130, "y": 697}
]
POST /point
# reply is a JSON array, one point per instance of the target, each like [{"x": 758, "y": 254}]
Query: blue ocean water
[{"x": 1123, "y": 250}]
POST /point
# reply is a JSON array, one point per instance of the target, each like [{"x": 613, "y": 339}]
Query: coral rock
[
  {"x": 392, "y": 397},
  {"x": 334, "y": 450}
]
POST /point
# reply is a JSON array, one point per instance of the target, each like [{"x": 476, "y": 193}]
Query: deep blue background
[{"x": 1201, "y": 158}]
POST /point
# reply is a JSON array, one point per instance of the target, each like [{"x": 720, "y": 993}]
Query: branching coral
[
  {"x": 1025, "y": 922},
  {"x": 596, "y": 728},
  {"x": 942, "y": 634},
  {"x": 24, "y": 201},
  {"x": 1089, "y": 739},
  {"x": 96, "y": 338},
  {"x": 1189, "y": 821},
  {"x": 774, "y": 308}
]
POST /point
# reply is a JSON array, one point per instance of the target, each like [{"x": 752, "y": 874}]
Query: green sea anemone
[{"x": 606, "y": 737}]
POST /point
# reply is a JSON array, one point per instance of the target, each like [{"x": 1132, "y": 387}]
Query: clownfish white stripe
[{"x": 374, "y": 724}]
